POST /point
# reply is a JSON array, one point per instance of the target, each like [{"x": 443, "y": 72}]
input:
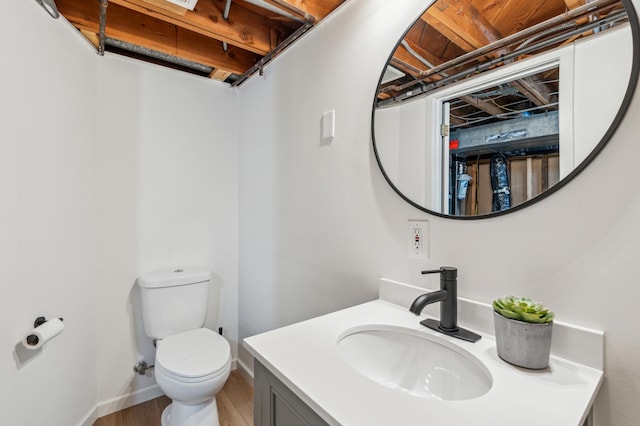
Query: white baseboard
[
  {"x": 90, "y": 418},
  {"x": 246, "y": 372},
  {"x": 127, "y": 400}
]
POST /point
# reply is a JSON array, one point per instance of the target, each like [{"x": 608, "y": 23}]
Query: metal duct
[
  {"x": 164, "y": 57},
  {"x": 499, "y": 171}
]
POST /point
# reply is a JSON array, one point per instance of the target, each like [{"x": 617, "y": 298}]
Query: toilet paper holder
[
  {"x": 41, "y": 320},
  {"x": 32, "y": 339}
]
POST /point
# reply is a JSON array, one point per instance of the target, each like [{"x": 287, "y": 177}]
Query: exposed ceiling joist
[
  {"x": 482, "y": 105},
  {"x": 230, "y": 37},
  {"x": 148, "y": 32},
  {"x": 538, "y": 93},
  {"x": 245, "y": 28},
  {"x": 461, "y": 20},
  {"x": 487, "y": 34},
  {"x": 460, "y": 41},
  {"x": 469, "y": 29},
  {"x": 517, "y": 15}
]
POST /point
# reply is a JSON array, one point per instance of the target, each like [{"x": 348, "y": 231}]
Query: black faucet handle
[{"x": 448, "y": 272}]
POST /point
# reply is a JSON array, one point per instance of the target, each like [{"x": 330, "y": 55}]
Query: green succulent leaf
[
  {"x": 509, "y": 314},
  {"x": 522, "y": 309},
  {"x": 531, "y": 318}
]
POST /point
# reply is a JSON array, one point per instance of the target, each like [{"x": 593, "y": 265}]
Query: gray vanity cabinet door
[{"x": 276, "y": 405}]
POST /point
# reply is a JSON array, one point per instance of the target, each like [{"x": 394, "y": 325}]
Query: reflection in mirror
[
  {"x": 485, "y": 106},
  {"x": 508, "y": 151}
]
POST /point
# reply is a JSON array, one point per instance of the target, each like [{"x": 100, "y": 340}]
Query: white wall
[
  {"x": 319, "y": 225},
  {"x": 108, "y": 168},
  {"x": 47, "y": 218},
  {"x": 168, "y": 198},
  {"x": 602, "y": 65},
  {"x": 405, "y": 164}
]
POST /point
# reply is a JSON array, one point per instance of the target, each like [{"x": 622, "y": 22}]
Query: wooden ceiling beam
[
  {"x": 470, "y": 30},
  {"x": 463, "y": 24},
  {"x": 148, "y": 32},
  {"x": 219, "y": 75},
  {"x": 492, "y": 8},
  {"x": 447, "y": 32},
  {"x": 482, "y": 105},
  {"x": 517, "y": 15},
  {"x": 245, "y": 28},
  {"x": 209, "y": 52},
  {"x": 538, "y": 93},
  {"x": 466, "y": 27},
  {"x": 93, "y": 38}
]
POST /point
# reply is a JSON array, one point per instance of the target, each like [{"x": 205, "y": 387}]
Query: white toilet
[{"x": 192, "y": 363}]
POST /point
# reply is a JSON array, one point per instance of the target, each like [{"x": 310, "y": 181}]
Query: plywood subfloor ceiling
[{"x": 222, "y": 39}]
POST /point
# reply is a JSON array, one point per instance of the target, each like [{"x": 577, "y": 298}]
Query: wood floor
[{"x": 235, "y": 407}]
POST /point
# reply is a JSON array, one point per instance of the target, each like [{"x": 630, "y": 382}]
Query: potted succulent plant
[{"x": 523, "y": 331}]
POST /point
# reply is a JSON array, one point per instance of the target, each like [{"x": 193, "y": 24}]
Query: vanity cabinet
[{"x": 276, "y": 405}]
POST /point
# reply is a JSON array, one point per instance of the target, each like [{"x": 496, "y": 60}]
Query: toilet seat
[{"x": 193, "y": 356}]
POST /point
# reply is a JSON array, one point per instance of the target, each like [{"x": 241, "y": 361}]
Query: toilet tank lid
[{"x": 173, "y": 277}]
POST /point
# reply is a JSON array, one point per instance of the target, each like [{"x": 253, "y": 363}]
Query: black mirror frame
[{"x": 624, "y": 106}]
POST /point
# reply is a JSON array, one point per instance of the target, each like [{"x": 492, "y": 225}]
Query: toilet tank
[{"x": 174, "y": 301}]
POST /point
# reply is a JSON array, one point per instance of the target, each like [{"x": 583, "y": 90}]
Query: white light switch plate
[{"x": 329, "y": 125}]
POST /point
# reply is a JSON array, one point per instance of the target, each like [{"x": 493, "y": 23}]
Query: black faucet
[{"x": 448, "y": 298}]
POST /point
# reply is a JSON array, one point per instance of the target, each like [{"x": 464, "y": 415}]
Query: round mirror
[{"x": 486, "y": 107}]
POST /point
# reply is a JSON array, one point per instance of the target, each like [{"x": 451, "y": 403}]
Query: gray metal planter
[{"x": 522, "y": 343}]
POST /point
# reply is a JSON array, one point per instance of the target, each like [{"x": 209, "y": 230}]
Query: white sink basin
[{"x": 413, "y": 362}]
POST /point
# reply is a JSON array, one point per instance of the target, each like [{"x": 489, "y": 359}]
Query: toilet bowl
[
  {"x": 192, "y": 362},
  {"x": 191, "y": 367}
]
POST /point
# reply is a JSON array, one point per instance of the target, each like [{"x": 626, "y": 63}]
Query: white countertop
[{"x": 305, "y": 357}]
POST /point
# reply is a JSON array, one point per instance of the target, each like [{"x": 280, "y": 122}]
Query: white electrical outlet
[{"x": 418, "y": 238}]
